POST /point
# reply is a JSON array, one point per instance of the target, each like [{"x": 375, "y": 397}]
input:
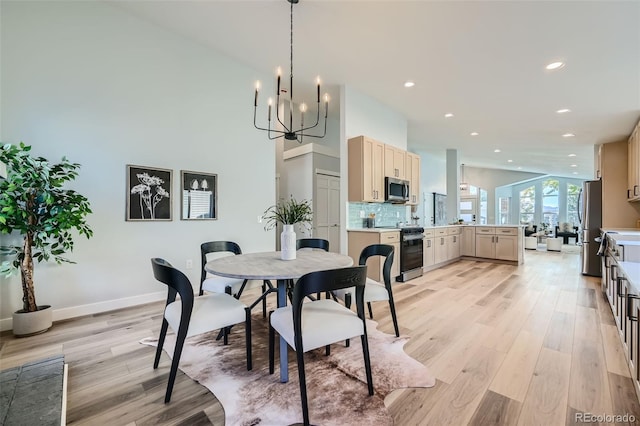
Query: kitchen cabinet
[
  {"x": 394, "y": 162},
  {"x": 502, "y": 243},
  {"x": 468, "y": 241},
  {"x": 453, "y": 243},
  {"x": 366, "y": 166},
  {"x": 412, "y": 168},
  {"x": 633, "y": 165},
  {"x": 358, "y": 240},
  {"x": 440, "y": 249},
  {"x": 617, "y": 212},
  {"x": 428, "y": 248}
]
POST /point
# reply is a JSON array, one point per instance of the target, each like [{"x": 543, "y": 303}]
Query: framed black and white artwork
[
  {"x": 148, "y": 193},
  {"x": 199, "y": 193}
]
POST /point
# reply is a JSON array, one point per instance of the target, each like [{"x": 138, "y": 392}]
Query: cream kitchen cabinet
[
  {"x": 440, "y": 249},
  {"x": 394, "y": 162},
  {"x": 358, "y": 240},
  {"x": 428, "y": 248},
  {"x": 468, "y": 241},
  {"x": 501, "y": 243},
  {"x": 366, "y": 166},
  {"x": 617, "y": 212},
  {"x": 633, "y": 163},
  {"x": 412, "y": 169},
  {"x": 453, "y": 242}
]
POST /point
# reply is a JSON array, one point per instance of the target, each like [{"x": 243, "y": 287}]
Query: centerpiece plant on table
[{"x": 288, "y": 213}]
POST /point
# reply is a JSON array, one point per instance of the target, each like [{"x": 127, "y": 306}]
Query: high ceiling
[{"x": 483, "y": 61}]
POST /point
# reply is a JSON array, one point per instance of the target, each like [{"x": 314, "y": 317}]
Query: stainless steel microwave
[{"x": 396, "y": 190}]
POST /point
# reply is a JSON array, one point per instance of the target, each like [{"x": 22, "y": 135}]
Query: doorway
[{"x": 326, "y": 215}]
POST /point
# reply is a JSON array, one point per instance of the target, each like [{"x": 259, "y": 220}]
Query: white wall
[{"x": 85, "y": 80}]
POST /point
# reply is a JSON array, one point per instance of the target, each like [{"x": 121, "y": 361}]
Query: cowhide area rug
[{"x": 336, "y": 385}]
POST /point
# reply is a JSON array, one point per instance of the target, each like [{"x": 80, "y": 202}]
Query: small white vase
[{"x": 288, "y": 243}]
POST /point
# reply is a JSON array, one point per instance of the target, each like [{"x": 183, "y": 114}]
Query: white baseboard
[{"x": 95, "y": 308}]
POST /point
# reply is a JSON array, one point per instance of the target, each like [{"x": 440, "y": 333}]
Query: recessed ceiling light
[
  {"x": 474, "y": 133},
  {"x": 555, "y": 65},
  {"x": 571, "y": 155},
  {"x": 574, "y": 165},
  {"x": 448, "y": 115},
  {"x": 509, "y": 161},
  {"x": 496, "y": 150},
  {"x": 519, "y": 168},
  {"x": 409, "y": 83},
  {"x": 575, "y": 173},
  {"x": 568, "y": 135},
  {"x": 563, "y": 110}
]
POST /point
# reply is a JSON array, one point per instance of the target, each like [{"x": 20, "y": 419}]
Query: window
[
  {"x": 550, "y": 202},
  {"x": 572, "y": 203},
  {"x": 504, "y": 217},
  {"x": 527, "y": 204}
]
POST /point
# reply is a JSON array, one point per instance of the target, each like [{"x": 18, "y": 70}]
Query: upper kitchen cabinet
[
  {"x": 366, "y": 166},
  {"x": 613, "y": 164},
  {"x": 394, "y": 162},
  {"x": 412, "y": 168},
  {"x": 633, "y": 162}
]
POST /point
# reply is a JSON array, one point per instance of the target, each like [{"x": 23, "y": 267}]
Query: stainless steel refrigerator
[{"x": 590, "y": 215}]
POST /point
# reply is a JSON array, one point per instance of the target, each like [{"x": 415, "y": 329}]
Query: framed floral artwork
[
  {"x": 199, "y": 192},
  {"x": 148, "y": 193}
]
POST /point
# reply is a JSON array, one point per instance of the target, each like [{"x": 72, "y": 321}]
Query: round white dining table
[{"x": 269, "y": 266}]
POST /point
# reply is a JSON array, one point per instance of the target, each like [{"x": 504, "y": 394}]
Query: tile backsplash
[{"x": 387, "y": 214}]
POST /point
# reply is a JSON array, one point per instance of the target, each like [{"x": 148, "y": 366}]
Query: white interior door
[
  {"x": 468, "y": 209},
  {"x": 327, "y": 210}
]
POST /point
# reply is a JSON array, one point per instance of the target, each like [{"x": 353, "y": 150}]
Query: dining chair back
[
  {"x": 191, "y": 315},
  {"x": 214, "y": 283},
  {"x": 374, "y": 290},
  {"x": 312, "y": 243},
  {"x": 314, "y": 324}
]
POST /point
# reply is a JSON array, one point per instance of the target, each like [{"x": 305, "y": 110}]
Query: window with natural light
[
  {"x": 573, "y": 192},
  {"x": 527, "y": 204},
  {"x": 550, "y": 210}
]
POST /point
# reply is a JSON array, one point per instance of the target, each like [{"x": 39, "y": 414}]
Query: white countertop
[
  {"x": 378, "y": 230},
  {"x": 631, "y": 270},
  {"x": 430, "y": 227},
  {"x": 621, "y": 231}
]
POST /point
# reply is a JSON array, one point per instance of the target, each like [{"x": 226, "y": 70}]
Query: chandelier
[
  {"x": 287, "y": 106},
  {"x": 463, "y": 185}
]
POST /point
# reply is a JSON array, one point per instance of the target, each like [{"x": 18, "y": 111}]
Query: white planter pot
[
  {"x": 30, "y": 323},
  {"x": 288, "y": 243}
]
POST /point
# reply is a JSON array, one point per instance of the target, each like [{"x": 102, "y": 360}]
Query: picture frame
[
  {"x": 199, "y": 195},
  {"x": 149, "y": 192}
]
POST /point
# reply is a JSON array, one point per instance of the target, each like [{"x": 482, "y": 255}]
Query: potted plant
[
  {"x": 34, "y": 204},
  {"x": 288, "y": 213}
]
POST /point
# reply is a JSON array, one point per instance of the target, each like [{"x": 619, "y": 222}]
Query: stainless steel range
[{"x": 411, "y": 252}]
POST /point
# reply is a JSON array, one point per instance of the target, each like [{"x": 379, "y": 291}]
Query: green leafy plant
[
  {"x": 34, "y": 204},
  {"x": 288, "y": 212}
]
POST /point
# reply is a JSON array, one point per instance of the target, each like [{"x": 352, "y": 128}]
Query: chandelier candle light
[{"x": 289, "y": 132}]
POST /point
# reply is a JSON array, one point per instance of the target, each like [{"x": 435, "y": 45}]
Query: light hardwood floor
[{"x": 528, "y": 345}]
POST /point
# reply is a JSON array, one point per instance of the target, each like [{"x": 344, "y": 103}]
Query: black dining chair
[
  {"x": 191, "y": 315},
  {"x": 313, "y": 243},
  {"x": 314, "y": 324},
  {"x": 215, "y": 283},
  {"x": 375, "y": 291}
]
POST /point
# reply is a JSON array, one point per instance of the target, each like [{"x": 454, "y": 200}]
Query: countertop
[
  {"x": 621, "y": 231},
  {"x": 429, "y": 227},
  {"x": 631, "y": 270}
]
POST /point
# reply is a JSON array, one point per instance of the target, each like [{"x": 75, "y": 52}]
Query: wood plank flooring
[{"x": 527, "y": 345}]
